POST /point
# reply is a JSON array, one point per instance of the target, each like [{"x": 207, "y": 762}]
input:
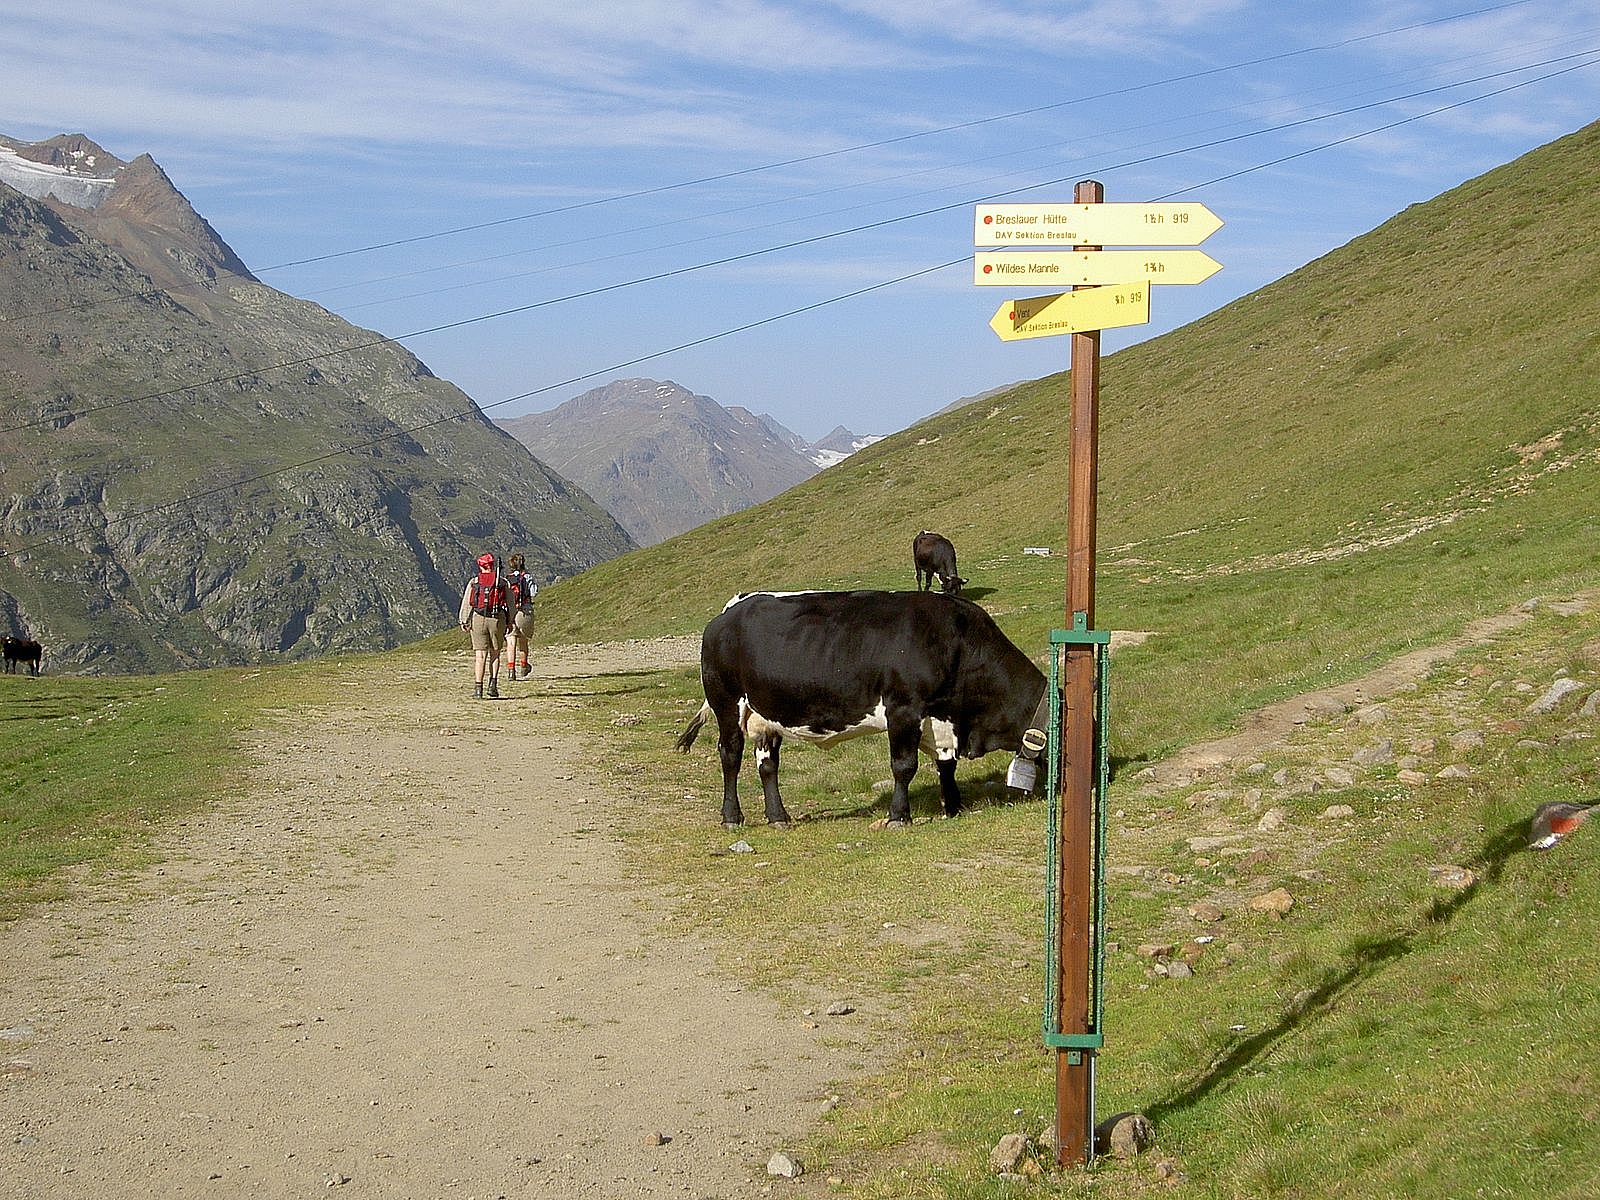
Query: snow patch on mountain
[{"x": 69, "y": 184}]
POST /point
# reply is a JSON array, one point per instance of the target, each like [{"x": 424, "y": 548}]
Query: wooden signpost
[{"x": 1080, "y": 229}]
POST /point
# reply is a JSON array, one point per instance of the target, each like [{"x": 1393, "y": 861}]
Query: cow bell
[{"x": 1023, "y": 773}]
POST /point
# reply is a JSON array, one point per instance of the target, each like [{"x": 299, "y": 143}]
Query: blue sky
[{"x": 308, "y": 130}]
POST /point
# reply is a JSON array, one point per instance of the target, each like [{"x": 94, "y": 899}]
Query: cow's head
[{"x": 952, "y": 584}]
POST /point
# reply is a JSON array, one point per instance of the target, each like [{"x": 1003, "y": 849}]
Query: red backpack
[{"x": 489, "y": 593}]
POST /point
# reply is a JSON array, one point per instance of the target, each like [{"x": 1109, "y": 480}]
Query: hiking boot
[
  {"x": 477, "y": 691},
  {"x": 526, "y": 671},
  {"x": 494, "y": 690}
]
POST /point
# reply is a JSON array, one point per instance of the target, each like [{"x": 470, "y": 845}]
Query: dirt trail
[
  {"x": 1269, "y": 726},
  {"x": 382, "y": 972}
]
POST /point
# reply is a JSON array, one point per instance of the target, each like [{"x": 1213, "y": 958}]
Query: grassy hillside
[{"x": 1360, "y": 457}]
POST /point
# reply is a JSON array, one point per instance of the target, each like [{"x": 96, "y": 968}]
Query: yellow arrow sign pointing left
[{"x": 1073, "y": 312}]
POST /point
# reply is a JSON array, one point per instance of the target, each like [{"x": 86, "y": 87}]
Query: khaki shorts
[
  {"x": 488, "y": 633},
  {"x": 522, "y": 625}
]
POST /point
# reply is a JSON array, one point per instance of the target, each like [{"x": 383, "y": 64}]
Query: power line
[
  {"x": 745, "y": 256},
  {"x": 820, "y": 156},
  {"x": 900, "y": 139},
  {"x": 479, "y": 410}
]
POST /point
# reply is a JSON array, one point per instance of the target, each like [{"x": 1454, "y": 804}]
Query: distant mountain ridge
[
  {"x": 120, "y": 310},
  {"x": 662, "y": 459}
]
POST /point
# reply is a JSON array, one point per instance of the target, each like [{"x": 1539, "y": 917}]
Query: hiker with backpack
[
  {"x": 483, "y": 614},
  {"x": 520, "y": 602}
]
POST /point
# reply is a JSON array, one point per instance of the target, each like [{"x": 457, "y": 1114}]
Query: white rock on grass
[
  {"x": 1558, "y": 691},
  {"x": 785, "y": 1166}
]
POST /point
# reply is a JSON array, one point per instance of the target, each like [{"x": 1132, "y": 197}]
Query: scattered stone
[
  {"x": 1179, "y": 970},
  {"x": 1455, "y": 771},
  {"x": 334, "y": 1181},
  {"x": 1278, "y": 901},
  {"x": 1124, "y": 1135},
  {"x": 1147, "y": 775},
  {"x": 1273, "y": 820},
  {"x": 1204, "y": 844},
  {"x": 742, "y": 847},
  {"x": 1451, "y": 876},
  {"x": 1252, "y": 799},
  {"x": 625, "y": 719},
  {"x": 1156, "y": 950},
  {"x": 1559, "y": 691},
  {"x": 1325, "y": 706},
  {"x": 656, "y": 1139},
  {"x": 1281, "y": 776},
  {"x": 1591, "y": 706},
  {"x": 1167, "y": 1171},
  {"x": 1007, "y": 1154},
  {"x": 1373, "y": 714},
  {"x": 17, "y": 1033},
  {"x": 1205, "y": 910},
  {"x": 1411, "y": 778},
  {"x": 883, "y": 785},
  {"x": 839, "y": 1009},
  {"x": 1336, "y": 812},
  {"x": 1464, "y": 740},
  {"x": 1256, "y": 768},
  {"x": 1531, "y": 744},
  {"x": 785, "y": 1166},
  {"x": 1339, "y": 777}
]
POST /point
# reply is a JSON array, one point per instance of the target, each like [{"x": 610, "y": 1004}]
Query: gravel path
[{"x": 404, "y": 962}]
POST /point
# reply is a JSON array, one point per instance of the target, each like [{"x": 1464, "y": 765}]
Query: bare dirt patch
[{"x": 406, "y": 961}]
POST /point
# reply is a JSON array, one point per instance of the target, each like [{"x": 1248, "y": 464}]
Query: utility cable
[
  {"x": 745, "y": 256},
  {"x": 478, "y": 410},
  {"x": 803, "y": 159}
]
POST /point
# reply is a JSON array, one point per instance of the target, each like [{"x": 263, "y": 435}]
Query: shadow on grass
[
  {"x": 1369, "y": 957},
  {"x": 985, "y": 792}
]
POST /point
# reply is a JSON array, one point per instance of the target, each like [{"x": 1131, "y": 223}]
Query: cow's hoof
[
  {"x": 778, "y": 824},
  {"x": 895, "y": 824},
  {"x": 733, "y": 824}
]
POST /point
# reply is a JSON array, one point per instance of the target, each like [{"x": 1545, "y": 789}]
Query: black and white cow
[
  {"x": 933, "y": 672},
  {"x": 934, "y": 554}
]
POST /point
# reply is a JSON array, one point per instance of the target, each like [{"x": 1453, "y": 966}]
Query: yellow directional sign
[
  {"x": 1073, "y": 268},
  {"x": 1183, "y": 223},
  {"x": 1073, "y": 312}
]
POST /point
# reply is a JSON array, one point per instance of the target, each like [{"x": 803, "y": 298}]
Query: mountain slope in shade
[
  {"x": 662, "y": 459},
  {"x": 118, "y": 310}
]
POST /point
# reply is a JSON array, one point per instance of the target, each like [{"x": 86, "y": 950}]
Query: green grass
[
  {"x": 90, "y": 767},
  {"x": 1398, "y": 1038}
]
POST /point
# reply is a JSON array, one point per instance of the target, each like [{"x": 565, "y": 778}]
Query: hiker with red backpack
[
  {"x": 483, "y": 614},
  {"x": 522, "y": 591}
]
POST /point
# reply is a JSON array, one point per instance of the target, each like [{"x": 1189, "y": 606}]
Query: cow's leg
[
  {"x": 730, "y": 745},
  {"x": 904, "y": 737},
  {"x": 939, "y": 742},
  {"x": 767, "y": 746}
]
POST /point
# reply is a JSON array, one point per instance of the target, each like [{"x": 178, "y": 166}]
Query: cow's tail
[{"x": 687, "y": 737}]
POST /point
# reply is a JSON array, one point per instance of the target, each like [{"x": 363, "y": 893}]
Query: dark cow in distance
[
  {"x": 20, "y": 650},
  {"x": 935, "y": 555},
  {"x": 933, "y": 672}
]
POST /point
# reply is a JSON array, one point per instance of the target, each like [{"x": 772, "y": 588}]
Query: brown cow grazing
[
  {"x": 933, "y": 555},
  {"x": 25, "y": 651}
]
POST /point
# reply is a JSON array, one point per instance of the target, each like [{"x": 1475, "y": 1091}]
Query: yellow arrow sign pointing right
[{"x": 1073, "y": 312}]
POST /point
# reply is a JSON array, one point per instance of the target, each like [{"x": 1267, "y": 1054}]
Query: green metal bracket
[{"x": 1079, "y": 635}]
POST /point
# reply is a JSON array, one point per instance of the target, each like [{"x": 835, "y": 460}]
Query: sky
[{"x": 771, "y": 203}]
